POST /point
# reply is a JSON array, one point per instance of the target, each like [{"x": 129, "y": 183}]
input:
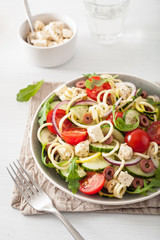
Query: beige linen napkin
[{"x": 61, "y": 200}]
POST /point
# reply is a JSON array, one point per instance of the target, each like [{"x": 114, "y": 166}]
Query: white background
[{"x": 138, "y": 53}]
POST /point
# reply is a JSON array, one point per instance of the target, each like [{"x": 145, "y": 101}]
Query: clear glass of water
[{"x": 106, "y": 19}]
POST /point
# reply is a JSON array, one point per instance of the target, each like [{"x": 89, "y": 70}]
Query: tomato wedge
[
  {"x": 92, "y": 184},
  {"x": 117, "y": 114},
  {"x": 92, "y": 93},
  {"x": 138, "y": 140},
  {"x": 154, "y": 132},
  {"x": 74, "y": 135},
  {"x": 59, "y": 114}
]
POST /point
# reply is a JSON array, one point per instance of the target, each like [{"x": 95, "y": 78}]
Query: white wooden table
[{"x": 138, "y": 54}]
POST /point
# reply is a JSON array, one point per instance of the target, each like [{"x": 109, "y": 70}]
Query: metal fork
[{"x": 36, "y": 197}]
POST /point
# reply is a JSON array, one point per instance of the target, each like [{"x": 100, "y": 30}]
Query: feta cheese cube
[
  {"x": 40, "y": 43},
  {"x": 67, "y": 33},
  {"x": 95, "y": 133},
  {"x": 77, "y": 91},
  {"x": 125, "y": 178},
  {"x": 38, "y": 25},
  {"x": 82, "y": 149},
  {"x": 64, "y": 154},
  {"x": 60, "y": 91},
  {"x": 124, "y": 90},
  {"x": 125, "y": 152},
  {"x": 42, "y": 35}
]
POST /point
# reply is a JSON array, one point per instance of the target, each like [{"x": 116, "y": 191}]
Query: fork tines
[{"x": 25, "y": 183}]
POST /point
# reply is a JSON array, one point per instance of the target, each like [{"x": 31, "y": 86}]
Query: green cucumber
[
  {"x": 46, "y": 136},
  {"x": 99, "y": 147},
  {"x": 96, "y": 164},
  {"x": 79, "y": 112},
  {"x": 64, "y": 173},
  {"x": 53, "y": 105},
  {"x": 137, "y": 171},
  {"x": 129, "y": 116},
  {"x": 116, "y": 134}
]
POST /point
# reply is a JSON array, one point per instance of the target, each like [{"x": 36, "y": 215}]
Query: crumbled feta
[
  {"x": 77, "y": 91},
  {"x": 124, "y": 91},
  {"x": 82, "y": 149},
  {"x": 42, "y": 35},
  {"x": 67, "y": 33},
  {"x": 52, "y": 32},
  {"x": 40, "y": 43},
  {"x": 125, "y": 178},
  {"x": 38, "y": 25},
  {"x": 60, "y": 92},
  {"x": 95, "y": 133},
  {"x": 125, "y": 152},
  {"x": 64, "y": 154}
]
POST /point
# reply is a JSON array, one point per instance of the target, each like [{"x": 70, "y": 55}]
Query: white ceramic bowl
[
  {"x": 54, "y": 178},
  {"x": 49, "y": 56}
]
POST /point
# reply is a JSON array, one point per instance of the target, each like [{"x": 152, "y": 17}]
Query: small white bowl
[{"x": 49, "y": 56}]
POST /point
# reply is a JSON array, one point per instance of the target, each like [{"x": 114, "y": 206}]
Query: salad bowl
[{"x": 56, "y": 179}]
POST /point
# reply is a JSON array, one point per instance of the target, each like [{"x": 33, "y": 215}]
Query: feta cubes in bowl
[{"x": 52, "y": 43}]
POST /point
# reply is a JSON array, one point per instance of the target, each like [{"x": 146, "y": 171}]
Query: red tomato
[
  {"x": 59, "y": 114},
  {"x": 92, "y": 93},
  {"x": 93, "y": 183},
  {"x": 138, "y": 140},
  {"x": 74, "y": 135},
  {"x": 154, "y": 132},
  {"x": 118, "y": 114}
]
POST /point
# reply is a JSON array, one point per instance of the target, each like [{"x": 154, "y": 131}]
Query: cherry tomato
[
  {"x": 59, "y": 114},
  {"x": 154, "y": 132},
  {"x": 92, "y": 93},
  {"x": 138, "y": 140},
  {"x": 118, "y": 114},
  {"x": 92, "y": 184},
  {"x": 74, "y": 135}
]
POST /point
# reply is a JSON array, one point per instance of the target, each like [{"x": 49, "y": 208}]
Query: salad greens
[
  {"x": 91, "y": 82},
  {"x": 148, "y": 186},
  {"x": 46, "y": 107},
  {"x": 73, "y": 177},
  {"x": 44, "y": 157},
  {"x": 26, "y": 93},
  {"x": 121, "y": 125}
]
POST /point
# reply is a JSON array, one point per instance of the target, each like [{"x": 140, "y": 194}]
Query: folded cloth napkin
[{"x": 61, "y": 200}]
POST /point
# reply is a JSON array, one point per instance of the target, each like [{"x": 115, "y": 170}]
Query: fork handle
[{"x": 68, "y": 225}]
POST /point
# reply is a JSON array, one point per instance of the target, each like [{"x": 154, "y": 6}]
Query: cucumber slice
[
  {"x": 79, "y": 112},
  {"x": 81, "y": 172},
  {"x": 116, "y": 134},
  {"x": 97, "y": 164},
  {"x": 46, "y": 136},
  {"x": 129, "y": 116},
  {"x": 99, "y": 147},
  {"x": 53, "y": 104},
  {"x": 137, "y": 171}
]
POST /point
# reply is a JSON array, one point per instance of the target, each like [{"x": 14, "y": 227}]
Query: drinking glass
[{"x": 106, "y": 19}]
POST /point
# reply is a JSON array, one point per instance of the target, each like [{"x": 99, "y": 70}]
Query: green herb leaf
[
  {"x": 44, "y": 157},
  {"x": 147, "y": 187},
  {"x": 46, "y": 107},
  {"x": 149, "y": 100},
  {"x": 91, "y": 84},
  {"x": 89, "y": 75},
  {"x": 121, "y": 125},
  {"x": 26, "y": 93},
  {"x": 157, "y": 173},
  {"x": 73, "y": 177}
]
